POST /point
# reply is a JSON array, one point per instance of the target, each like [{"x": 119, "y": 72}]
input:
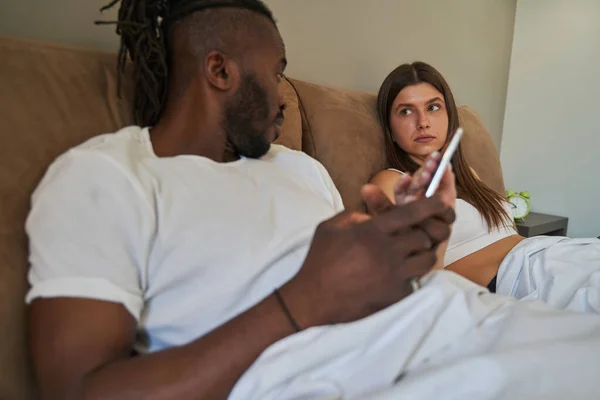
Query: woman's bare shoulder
[{"x": 386, "y": 176}]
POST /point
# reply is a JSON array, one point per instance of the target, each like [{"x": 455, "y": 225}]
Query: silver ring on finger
[{"x": 414, "y": 284}]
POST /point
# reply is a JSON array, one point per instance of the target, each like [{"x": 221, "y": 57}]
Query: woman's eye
[
  {"x": 434, "y": 107},
  {"x": 406, "y": 111}
]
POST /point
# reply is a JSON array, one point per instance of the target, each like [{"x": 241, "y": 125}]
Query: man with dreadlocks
[
  {"x": 191, "y": 240},
  {"x": 180, "y": 229}
]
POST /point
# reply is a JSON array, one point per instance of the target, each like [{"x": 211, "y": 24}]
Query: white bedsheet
[
  {"x": 450, "y": 340},
  {"x": 563, "y": 272}
]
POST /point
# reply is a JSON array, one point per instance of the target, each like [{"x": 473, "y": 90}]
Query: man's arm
[{"x": 82, "y": 349}]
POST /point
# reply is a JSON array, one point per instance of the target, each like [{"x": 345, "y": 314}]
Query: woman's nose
[{"x": 423, "y": 122}]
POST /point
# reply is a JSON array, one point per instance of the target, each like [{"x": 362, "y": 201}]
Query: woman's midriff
[{"x": 482, "y": 266}]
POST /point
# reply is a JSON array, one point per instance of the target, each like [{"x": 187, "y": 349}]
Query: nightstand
[{"x": 542, "y": 224}]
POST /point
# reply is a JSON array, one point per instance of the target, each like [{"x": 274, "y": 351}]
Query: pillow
[
  {"x": 291, "y": 130},
  {"x": 341, "y": 130}
]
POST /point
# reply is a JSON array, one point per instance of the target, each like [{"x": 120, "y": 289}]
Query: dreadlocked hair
[{"x": 144, "y": 27}]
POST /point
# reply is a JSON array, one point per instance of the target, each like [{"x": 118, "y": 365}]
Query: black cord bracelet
[{"x": 286, "y": 310}]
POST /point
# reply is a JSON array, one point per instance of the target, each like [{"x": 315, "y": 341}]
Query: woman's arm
[{"x": 386, "y": 180}]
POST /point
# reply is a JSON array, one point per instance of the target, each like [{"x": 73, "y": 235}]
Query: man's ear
[{"x": 221, "y": 71}]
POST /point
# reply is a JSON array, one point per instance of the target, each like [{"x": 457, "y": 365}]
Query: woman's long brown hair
[{"x": 487, "y": 201}]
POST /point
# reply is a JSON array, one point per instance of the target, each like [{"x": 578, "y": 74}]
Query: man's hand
[
  {"x": 410, "y": 188},
  {"x": 358, "y": 264}
]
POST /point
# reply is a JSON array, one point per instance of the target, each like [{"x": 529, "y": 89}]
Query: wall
[
  {"x": 356, "y": 43},
  {"x": 551, "y": 134},
  {"x": 65, "y": 21},
  {"x": 346, "y": 43}
]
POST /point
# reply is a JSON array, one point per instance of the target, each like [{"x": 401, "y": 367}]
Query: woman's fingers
[
  {"x": 401, "y": 188},
  {"x": 421, "y": 178}
]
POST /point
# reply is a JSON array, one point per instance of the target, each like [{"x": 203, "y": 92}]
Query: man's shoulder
[
  {"x": 125, "y": 140},
  {"x": 119, "y": 147},
  {"x": 280, "y": 149},
  {"x": 301, "y": 165},
  {"x": 297, "y": 162},
  {"x": 104, "y": 157},
  {"x": 279, "y": 154}
]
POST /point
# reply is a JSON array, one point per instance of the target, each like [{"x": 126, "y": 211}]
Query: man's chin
[{"x": 257, "y": 151}]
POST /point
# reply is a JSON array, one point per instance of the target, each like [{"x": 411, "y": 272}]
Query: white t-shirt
[{"x": 184, "y": 243}]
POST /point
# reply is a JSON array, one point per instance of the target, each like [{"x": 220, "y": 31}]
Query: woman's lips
[{"x": 424, "y": 139}]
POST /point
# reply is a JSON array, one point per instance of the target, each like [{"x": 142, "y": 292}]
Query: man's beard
[{"x": 245, "y": 112}]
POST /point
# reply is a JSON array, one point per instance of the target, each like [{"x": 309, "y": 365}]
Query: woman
[{"x": 419, "y": 116}]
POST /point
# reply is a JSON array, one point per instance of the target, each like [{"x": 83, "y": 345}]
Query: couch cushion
[
  {"x": 52, "y": 99},
  {"x": 291, "y": 130},
  {"x": 341, "y": 130}
]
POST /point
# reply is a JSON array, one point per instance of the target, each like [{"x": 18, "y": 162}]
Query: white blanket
[
  {"x": 451, "y": 339},
  {"x": 563, "y": 272}
]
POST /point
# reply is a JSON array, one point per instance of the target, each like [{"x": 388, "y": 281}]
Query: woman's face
[{"x": 419, "y": 120}]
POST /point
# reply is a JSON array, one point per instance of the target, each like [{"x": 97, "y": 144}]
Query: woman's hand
[{"x": 409, "y": 188}]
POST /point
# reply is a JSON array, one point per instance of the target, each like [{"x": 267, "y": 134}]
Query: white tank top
[{"x": 470, "y": 232}]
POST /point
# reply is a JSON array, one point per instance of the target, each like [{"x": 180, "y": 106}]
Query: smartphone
[{"x": 444, "y": 162}]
